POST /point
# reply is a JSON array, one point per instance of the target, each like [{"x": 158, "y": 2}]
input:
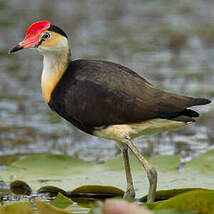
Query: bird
[{"x": 106, "y": 99}]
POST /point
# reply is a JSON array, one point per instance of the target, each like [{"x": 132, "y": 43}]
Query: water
[{"x": 170, "y": 43}]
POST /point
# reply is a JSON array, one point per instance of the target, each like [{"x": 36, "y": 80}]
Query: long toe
[{"x": 129, "y": 194}]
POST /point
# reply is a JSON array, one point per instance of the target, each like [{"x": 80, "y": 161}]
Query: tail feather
[
  {"x": 200, "y": 101},
  {"x": 190, "y": 113},
  {"x": 186, "y": 116},
  {"x": 183, "y": 118}
]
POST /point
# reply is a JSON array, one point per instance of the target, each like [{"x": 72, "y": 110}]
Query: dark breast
[{"x": 98, "y": 93}]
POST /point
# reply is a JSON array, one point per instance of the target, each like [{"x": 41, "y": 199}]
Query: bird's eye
[{"x": 46, "y": 35}]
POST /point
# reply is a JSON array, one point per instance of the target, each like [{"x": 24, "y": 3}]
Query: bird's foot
[{"x": 129, "y": 194}]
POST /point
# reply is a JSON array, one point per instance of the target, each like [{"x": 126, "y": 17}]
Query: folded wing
[{"x": 104, "y": 93}]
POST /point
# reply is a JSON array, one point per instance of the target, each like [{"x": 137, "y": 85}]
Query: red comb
[{"x": 37, "y": 28}]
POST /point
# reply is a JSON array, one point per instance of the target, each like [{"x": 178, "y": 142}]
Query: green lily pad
[
  {"x": 48, "y": 164},
  {"x": 51, "y": 190},
  {"x": 61, "y": 201},
  {"x": 49, "y": 170},
  {"x": 17, "y": 208},
  {"x": 68, "y": 173},
  {"x": 45, "y": 208},
  {"x": 61, "y": 173},
  {"x": 117, "y": 164},
  {"x": 200, "y": 201},
  {"x": 6, "y": 160},
  {"x": 151, "y": 205},
  {"x": 166, "y": 194},
  {"x": 99, "y": 190},
  {"x": 202, "y": 163},
  {"x": 165, "y": 162},
  {"x": 20, "y": 188},
  {"x": 88, "y": 194}
]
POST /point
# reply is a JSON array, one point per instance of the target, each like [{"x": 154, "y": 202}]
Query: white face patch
[
  {"x": 55, "y": 62},
  {"x": 55, "y": 47}
]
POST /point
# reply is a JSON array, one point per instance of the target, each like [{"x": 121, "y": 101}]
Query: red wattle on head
[
  {"x": 37, "y": 28},
  {"x": 33, "y": 33}
]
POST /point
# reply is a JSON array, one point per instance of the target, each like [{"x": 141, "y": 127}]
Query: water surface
[{"x": 170, "y": 43}]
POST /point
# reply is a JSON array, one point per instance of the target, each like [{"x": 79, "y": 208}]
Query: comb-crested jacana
[{"x": 106, "y": 99}]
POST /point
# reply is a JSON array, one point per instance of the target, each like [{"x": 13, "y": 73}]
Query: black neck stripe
[{"x": 56, "y": 29}]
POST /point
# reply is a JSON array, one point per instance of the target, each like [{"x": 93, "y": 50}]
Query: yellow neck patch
[{"x": 54, "y": 67}]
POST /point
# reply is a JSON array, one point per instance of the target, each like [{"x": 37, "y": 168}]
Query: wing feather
[{"x": 97, "y": 93}]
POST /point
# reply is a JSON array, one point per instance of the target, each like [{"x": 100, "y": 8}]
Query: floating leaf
[
  {"x": 165, "y": 162},
  {"x": 20, "y": 188},
  {"x": 49, "y": 164},
  {"x": 16, "y": 208},
  {"x": 45, "y": 208},
  {"x": 99, "y": 190},
  {"x": 87, "y": 194},
  {"x": 8, "y": 159},
  {"x": 66, "y": 173},
  {"x": 61, "y": 201},
  {"x": 166, "y": 194},
  {"x": 151, "y": 205},
  {"x": 202, "y": 163},
  {"x": 51, "y": 190},
  {"x": 49, "y": 169},
  {"x": 200, "y": 201},
  {"x": 117, "y": 163}
]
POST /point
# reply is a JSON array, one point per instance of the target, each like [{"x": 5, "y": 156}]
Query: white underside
[{"x": 134, "y": 130}]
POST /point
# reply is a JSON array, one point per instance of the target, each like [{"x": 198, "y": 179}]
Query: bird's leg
[
  {"x": 151, "y": 171},
  {"x": 130, "y": 192}
]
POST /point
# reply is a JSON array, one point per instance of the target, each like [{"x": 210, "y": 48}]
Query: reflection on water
[{"x": 171, "y": 43}]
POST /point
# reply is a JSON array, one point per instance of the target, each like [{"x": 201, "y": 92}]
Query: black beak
[{"x": 16, "y": 48}]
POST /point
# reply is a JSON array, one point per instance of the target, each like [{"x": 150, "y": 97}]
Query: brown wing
[{"x": 99, "y": 93}]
